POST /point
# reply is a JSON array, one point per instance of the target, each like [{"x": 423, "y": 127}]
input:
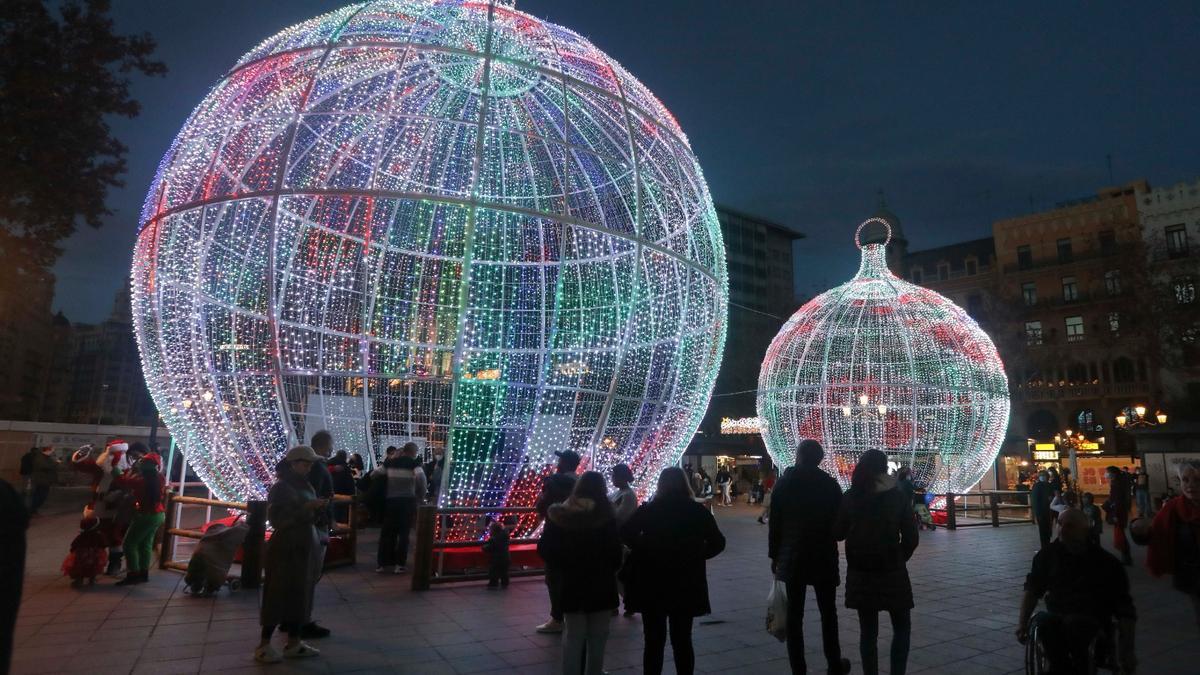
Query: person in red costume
[
  {"x": 148, "y": 487},
  {"x": 1174, "y": 536},
  {"x": 89, "y": 553},
  {"x": 108, "y": 502}
]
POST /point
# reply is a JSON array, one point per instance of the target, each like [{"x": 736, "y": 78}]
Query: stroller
[
  {"x": 208, "y": 569},
  {"x": 921, "y": 509}
]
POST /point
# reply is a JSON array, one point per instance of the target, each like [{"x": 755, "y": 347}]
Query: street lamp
[{"x": 1135, "y": 417}]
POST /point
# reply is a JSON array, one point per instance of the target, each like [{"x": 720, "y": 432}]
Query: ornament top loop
[{"x": 868, "y": 221}]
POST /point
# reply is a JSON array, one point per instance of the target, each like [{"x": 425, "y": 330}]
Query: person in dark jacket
[
  {"x": 294, "y": 557},
  {"x": 402, "y": 482},
  {"x": 555, "y": 488},
  {"x": 804, "y": 552},
  {"x": 499, "y": 559},
  {"x": 342, "y": 477},
  {"x": 586, "y": 547},
  {"x": 1120, "y": 500},
  {"x": 670, "y": 538},
  {"x": 1040, "y": 497},
  {"x": 876, "y": 520},
  {"x": 322, "y": 483},
  {"x": 43, "y": 475}
]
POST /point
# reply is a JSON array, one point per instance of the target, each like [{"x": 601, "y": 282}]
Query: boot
[
  {"x": 114, "y": 563},
  {"x": 132, "y": 578}
]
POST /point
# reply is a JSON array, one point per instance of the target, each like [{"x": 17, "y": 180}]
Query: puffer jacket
[{"x": 586, "y": 547}]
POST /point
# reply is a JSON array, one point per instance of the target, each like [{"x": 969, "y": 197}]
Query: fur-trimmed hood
[{"x": 578, "y": 514}]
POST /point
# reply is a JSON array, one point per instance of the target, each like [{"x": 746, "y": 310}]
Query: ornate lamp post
[{"x": 1135, "y": 417}]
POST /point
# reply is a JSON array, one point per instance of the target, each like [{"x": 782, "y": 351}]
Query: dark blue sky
[{"x": 961, "y": 112}]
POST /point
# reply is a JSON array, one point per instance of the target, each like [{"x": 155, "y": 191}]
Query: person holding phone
[{"x": 294, "y": 557}]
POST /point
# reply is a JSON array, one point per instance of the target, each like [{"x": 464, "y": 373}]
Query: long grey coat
[{"x": 294, "y": 554}]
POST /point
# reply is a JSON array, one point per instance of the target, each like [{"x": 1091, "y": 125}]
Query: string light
[
  {"x": 440, "y": 221},
  {"x": 881, "y": 363}
]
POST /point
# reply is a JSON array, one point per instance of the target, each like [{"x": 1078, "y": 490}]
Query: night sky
[{"x": 961, "y": 114}]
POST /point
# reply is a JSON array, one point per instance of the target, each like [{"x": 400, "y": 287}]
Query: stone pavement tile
[
  {"x": 435, "y": 668},
  {"x": 410, "y": 658},
  {"x": 460, "y": 651},
  {"x": 477, "y": 664},
  {"x": 176, "y": 667},
  {"x": 529, "y": 657},
  {"x": 173, "y": 653}
]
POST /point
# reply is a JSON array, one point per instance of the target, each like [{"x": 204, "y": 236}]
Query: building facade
[
  {"x": 1068, "y": 320},
  {"x": 1170, "y": 219}
]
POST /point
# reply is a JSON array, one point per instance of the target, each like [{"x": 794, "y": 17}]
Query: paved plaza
[{"x": 967, "y": 585}]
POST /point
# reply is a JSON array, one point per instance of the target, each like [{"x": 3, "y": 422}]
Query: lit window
[
  {"x": 1185, "y": 291},
  {"x": 1114, "y": 322},
  {"x": 1070, "y": 288},
  {"x": 1112, "y": 282},
  {"x": 1033, "y": 332},
  {"x": 1074, "y": 329},
  {"x": 1029, "y": 293}
]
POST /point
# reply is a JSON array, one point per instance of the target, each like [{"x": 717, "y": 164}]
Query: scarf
[{"x": 1160, "y": 559}]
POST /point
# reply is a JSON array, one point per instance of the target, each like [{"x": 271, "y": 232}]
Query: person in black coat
[
  {"x": 804, "y": 552},
  {"x": 670, "y": 538},
  {"x": 876, "y": 519},
  {"x": 555, "y": 488},
  {"x": 584, "y": 544},
  {"x": 1040, "y": 497}
]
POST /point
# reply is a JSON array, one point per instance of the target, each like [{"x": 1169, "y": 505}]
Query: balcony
[
  {"x": 1077, "y": 258},
  {"x": 1069, "y": 392}
]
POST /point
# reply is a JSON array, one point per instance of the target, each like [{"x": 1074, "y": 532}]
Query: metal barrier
[
  {"x": 255, "y": 513},
  {"x": 430, "y": 553},
  {"x": 984, "y": 508}
]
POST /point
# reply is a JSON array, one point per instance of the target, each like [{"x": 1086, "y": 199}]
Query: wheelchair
[{"x": 1101, "y": 651}]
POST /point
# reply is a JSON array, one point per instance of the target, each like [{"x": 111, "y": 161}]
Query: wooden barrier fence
[{"x": 429, "y": 554}]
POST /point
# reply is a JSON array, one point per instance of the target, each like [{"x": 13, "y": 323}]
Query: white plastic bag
[{"x": 777, "y": 611}]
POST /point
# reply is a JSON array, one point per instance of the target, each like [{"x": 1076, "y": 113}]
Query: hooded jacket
[
  {"x": 804, "y": 507},
  {"x": 880, "y": 530},
  {"x": 584, "y": 544}
]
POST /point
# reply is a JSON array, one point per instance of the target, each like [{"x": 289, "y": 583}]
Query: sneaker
[
  {"x": 380, "y": 570},
  {"x": 267, "y": 654},
  {"x": 550, "y": 626},
  {"x": 314, "y": 631},
  {"x": 300, "y": 650},
  {"x": 400, "y": 569}
]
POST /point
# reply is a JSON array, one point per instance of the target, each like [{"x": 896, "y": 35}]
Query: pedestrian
[
  {"x": 14, "y": 520},
  {"x": 148, "y": 488},
  {"x": 43, "y": 474},
  {"x": 1117, "y": 506},
  {"x": 342, "y": 477},
  {"x": 586, "y": 547},
  {"x": 1141, "y": 492},
  {"x": 26, "y": 471},
  {"x": 881, "y": 534},
  {"x": 556, "y": 487},
  {"x": 322, "y": 483},
  {"x": 88, "y": 556},
  {"x": 499, "y": 560},
  {"x": 357, "y": 465},
  {"x": 1094, "y": 516},
  {"x": 1174, "y": 536},
  {"x": 1062, "y": 503},
  {"x": 670, "y": 537},
  {"x": 723, "y": 481},
  {"x": 804, "y": 552},
  {"x": 294, "y": 557},
  {"x": 1040, "y": 497},
  {"x": 624, "y": 502},
  {"x": 402, "y": 482},
  {"x": 768, "y": 485}
]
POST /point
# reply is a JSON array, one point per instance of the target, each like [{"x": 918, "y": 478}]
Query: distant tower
[{"x": 897, "y": 250}]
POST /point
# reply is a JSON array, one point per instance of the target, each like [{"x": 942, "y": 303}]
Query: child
[
  {"x": 89, "y": 553},
  {"x": 498, "y": 559},
  {"x": 1095, "y": 518}
]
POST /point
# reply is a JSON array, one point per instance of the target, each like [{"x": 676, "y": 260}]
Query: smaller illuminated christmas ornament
[{"x": 881, "y": 363}]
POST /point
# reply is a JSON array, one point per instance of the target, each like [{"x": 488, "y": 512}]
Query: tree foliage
[{"x": 63, "y": 72}]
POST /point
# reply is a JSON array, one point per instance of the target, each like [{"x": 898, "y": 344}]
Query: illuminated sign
[
  {"x": 741, "y": 425},
  {"x": 1044, "y": 446},
  {"x": 1089, "y": 445},
  {"x": 1045, "y": 455}
]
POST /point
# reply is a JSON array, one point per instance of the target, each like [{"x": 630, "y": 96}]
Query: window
[
  {"x": 1033, "y": 332},
  {"x": 1177, "y": 243},
  {"x": 1024, "y": 257},
  {"x": 1085, "y": 420},
  {"x": 1114, "y": 322},
  {"x": 943, "y": 271},
  {"x": 1108, "y": 242},
  {"x": 1064, "y": 250},
  {"x": 1185, "y": 291},
  {"x": 1029, "y": 292},
  {"x": 1074, "y": 329},
  {"x": 1070, "y": 289},
  {"x": 1112, "y": 282},
  {"x": 974, "y": 305},
  {"x": 917, "y": 275},
  {"x": 972, "y": 268}
]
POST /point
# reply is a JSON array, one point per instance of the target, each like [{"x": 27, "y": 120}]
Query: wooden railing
[
  {"x": 429, "y": 555},
  {"x": 990, "y": 507}
]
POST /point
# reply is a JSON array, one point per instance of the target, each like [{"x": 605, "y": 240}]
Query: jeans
[
  {"x": 868, "y": 645},
  {"x": 393, "y": 536},
  {"x": 1143, "y": 503},
  {"x": 827, "y": 604},
  {"x": 654, "y": 629},
  {"x": 139, "y": 540},
  {"x": 584, "y": 636},
  {"x": 40, "y": 493},
  {"x": 554, "y": 590}
]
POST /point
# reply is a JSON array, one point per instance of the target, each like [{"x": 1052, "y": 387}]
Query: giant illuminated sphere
[
  {"x": 881, "y": 363},
  {"x": 430, "y": 220}
]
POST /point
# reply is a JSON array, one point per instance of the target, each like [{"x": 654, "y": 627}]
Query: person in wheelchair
[{"x": 1086, "y": 590}]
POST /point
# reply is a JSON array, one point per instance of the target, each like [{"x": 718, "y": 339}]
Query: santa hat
[
  {"x": 117, "y": 445},
  {"x": 153, "y": 457}
]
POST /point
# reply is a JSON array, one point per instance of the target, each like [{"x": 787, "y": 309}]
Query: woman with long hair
[
  {"x": 876, "y": 520},
  {"x": 294, "y": 557},
  {"x": 147, "y": 486},
  {"x": 585, "y": 545},
  {"x": 670, "y": 538}
]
